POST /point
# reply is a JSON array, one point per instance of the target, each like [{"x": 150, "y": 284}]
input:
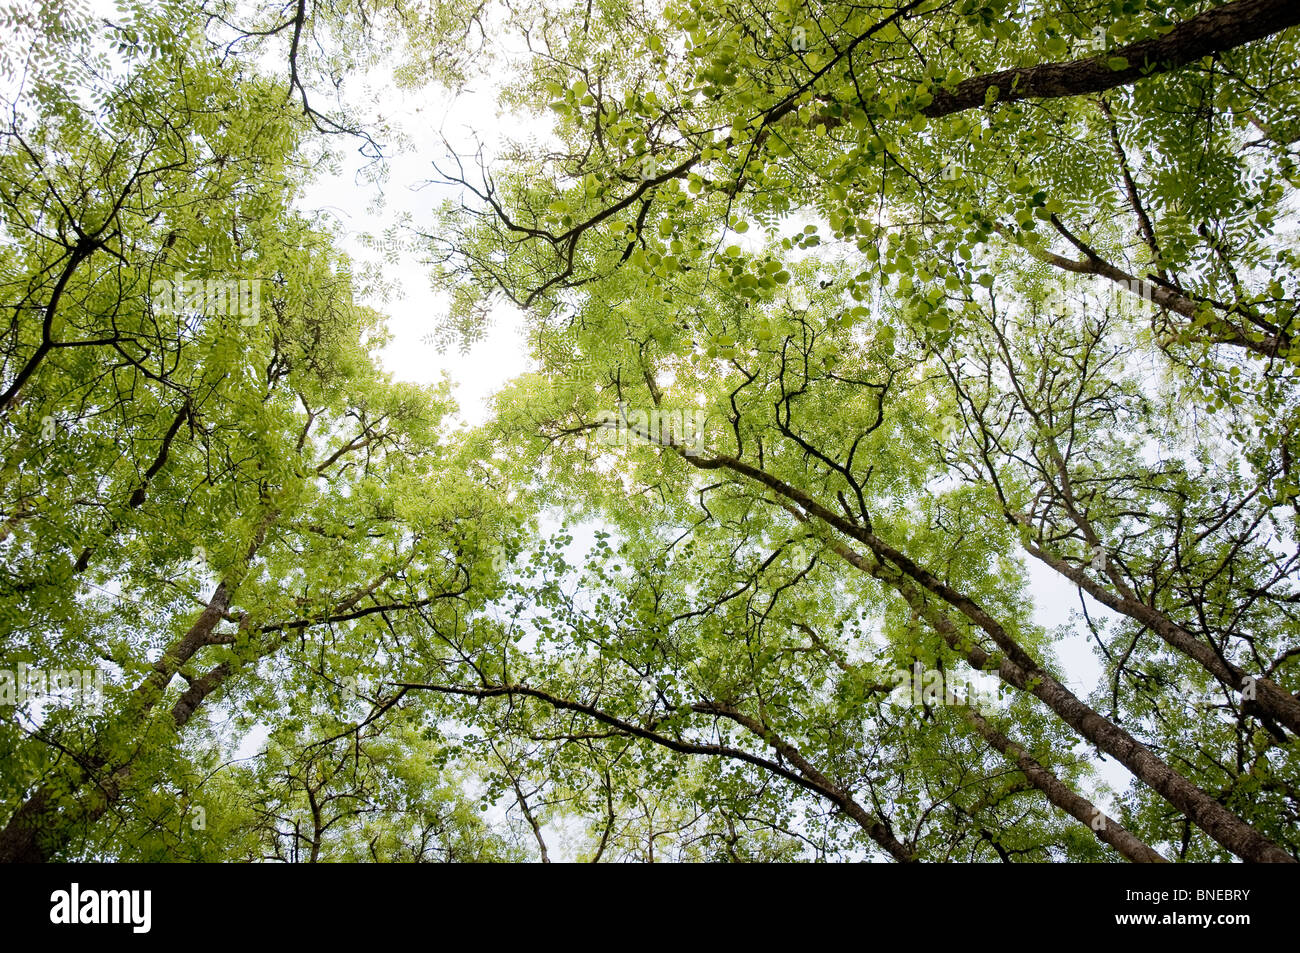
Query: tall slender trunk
[
  {"x": 1059, "y": 793},
  {"x": 44, "y": 822},
  {"x": 1016, "y": 667}
]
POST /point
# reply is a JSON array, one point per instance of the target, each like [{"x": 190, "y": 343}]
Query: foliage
[{"x": 853, "y": 324}]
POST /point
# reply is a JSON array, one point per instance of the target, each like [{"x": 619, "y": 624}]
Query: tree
[
  {"x": 916, "y": 400},
  {"x": 211, "y": 493},
  {"x": 845, "y": 316}
]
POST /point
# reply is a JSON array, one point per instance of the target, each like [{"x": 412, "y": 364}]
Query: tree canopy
[{"x": 863, "y": 335}]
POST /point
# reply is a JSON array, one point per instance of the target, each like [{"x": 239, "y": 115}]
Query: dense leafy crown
[{"x": 867, "y": 337}]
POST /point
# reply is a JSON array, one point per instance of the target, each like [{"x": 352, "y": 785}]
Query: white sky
[{"x": 417, "y": 306}]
